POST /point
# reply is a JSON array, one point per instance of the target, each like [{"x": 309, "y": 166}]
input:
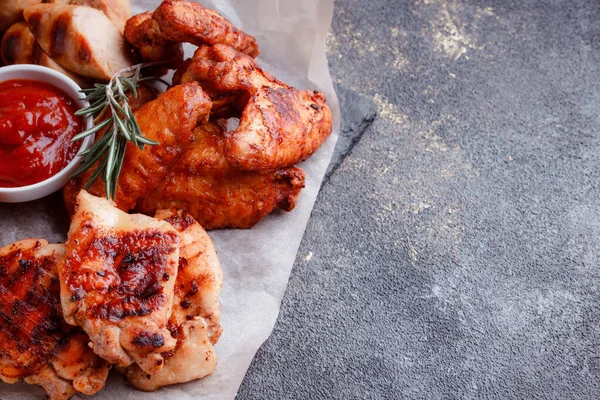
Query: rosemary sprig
[{"x": 111, "y": 113}]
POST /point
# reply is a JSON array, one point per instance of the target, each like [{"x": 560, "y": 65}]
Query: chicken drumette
[
  {"x": 217, "y": 195},
  {"x": 279, "y": 125}
]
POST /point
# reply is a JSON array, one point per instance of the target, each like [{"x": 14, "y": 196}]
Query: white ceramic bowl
[{"x": 67, "y": 85}]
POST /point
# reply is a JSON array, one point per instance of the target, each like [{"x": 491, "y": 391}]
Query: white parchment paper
[{"x": 257, "y": 262}]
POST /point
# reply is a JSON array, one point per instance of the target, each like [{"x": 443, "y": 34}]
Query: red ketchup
[{"x": 37, "y": 123}]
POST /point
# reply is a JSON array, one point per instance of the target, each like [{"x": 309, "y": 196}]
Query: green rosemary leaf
[
  {"x": 91, "y": 131},
  {"x": 146, "y": 140},
  {"x": 96, "y": 174},
  {"x": 120, "y": 126}
]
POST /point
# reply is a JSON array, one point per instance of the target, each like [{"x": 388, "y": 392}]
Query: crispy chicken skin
[
  {"x": 20, "y": 47},
  {"x": 118, "y": 11},
  {"x": 187, "y": 21},
  {"x": 217, "y": 195},
  {"x": 195, "y": 321},
  {"x": 79, "y": 38},
  {"x": 279, "y": 125},
  {"x": 11, "y": 11},
  {"x": 143, "y": 33},
  {"x": 168, "y": 120},
  {"x": 35, "y": 343},
  {"x": 117, "y": 281}
]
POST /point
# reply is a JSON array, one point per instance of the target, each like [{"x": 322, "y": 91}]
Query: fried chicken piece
[
  {"x": 20, "y": 47},
  {"x": 117, "y": 281},
  {"x": 168, "y": 120},
  {"x": 217, "y": 195},
  {"x": 118, "y": 11},
  {"x": 35, "y": 342},
  {"x": 79, "y": 38},
  {"x": 143, "y": 34},
  {"x": 279, "y": 125},
  {"x": 11, "y": 11},
  {"x": 195, "y": 321},
  {"x": 187, "y": 21}
]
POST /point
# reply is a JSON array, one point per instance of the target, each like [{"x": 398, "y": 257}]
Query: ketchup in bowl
[{"x": 37, "y": 123}]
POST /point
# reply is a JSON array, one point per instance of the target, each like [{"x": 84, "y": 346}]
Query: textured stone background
[{"x": 455, "y": 252}]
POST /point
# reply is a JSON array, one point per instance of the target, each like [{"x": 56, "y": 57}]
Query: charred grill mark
[
  {"x": 181, "y": 221},
  {"x": 185, "y": 304},
  {"x": 135, "y": 269},
  {"x": 58, "y": 45},
  {"x": 34, "y": 24},
  {"x": 148, "y": 340},
  {"x": 84, "y": 52},
  {"x": 10, "y": 47},
  {"x": 194, "y": 289},
  {"x": 30, "y": 324}
]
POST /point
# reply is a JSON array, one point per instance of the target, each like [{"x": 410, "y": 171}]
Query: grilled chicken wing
[
  {"x": 195, "y": 321},
  {"x": 217, "y": 195},
  {"x": 169, "y": 120},
  {"x": 35, "y": 343},
  {"x": 118, "y": 11},
  {"x": 11, "y": 11},
  {"x": 187, "y": 21},
  {"x": 20, "y": 47},
  {"x": 279, "y": 125},
  {"x": 81, "y": 39},
  {"x": 143, "y": 33},
  {"x": 117, "y": 281}
]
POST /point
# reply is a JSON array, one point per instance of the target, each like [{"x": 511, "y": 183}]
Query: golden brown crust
[
  {"x": 187, "y": 21},
  {"x": 143, "y": 34},
  {"x": 168, "y": 120},
  {"x": 35, "y": 342},
  {"x": 218, "y": 196},
  {"x": 279, "y": 125}
]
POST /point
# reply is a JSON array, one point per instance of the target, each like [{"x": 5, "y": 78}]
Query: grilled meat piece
[
  {"x": 11, "y": 11},
  {"x": 195, "y": 321},
  {"x": 79, "y": 38},
  {"x": 217, "y": 195},
  {"x": 35, "y": 342},
  {"x": 187, "y": 21},
  {"x": 279, "y": 125},
  {"x": 117, "y": 281},
  {"x": 118, "y": 11},
  {"x": 20, "y": 47},
  {"x": 143, "y": 33},
  {"x": 168, "y": 120}
]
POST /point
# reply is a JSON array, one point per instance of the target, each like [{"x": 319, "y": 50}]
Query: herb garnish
[{"x": 111, "y": 112}]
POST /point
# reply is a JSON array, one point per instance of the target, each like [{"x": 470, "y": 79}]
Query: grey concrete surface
[{"x": 455, "y": 252}]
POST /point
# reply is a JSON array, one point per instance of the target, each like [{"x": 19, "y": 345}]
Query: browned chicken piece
[
  {"x": 118, "y": 11},
  {"x": 35, "y": 342},
  {"x": 79, "y": 38},
  {"x": 217, "y": 195},
  {"x": 187, "y": 21},
  {"x": 143, "y": 33},
  {"x": 195, "y": 321},
  {"x": 11, "y": 11},
  {"x": 279, "y": 125},
  {"x": 168, "y": 120},
  {"x": 20, "y": 47},
  {"x": 117, "y": 281}
]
